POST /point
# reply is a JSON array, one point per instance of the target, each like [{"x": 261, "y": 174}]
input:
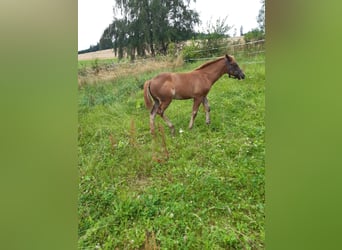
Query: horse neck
[{"x": 215, "y": 70}]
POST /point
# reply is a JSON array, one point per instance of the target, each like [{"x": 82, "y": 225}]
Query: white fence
[{"x": 246, "y": 50}]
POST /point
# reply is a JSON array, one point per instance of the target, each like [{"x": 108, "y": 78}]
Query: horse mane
[{"x": 209, "y": 63}]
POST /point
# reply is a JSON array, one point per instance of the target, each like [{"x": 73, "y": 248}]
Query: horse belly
[
  {"x": 182, "y": 86},
  {"x": 179, "y": 95}
]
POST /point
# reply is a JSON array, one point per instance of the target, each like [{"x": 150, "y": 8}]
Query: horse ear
[{"x": 228, "y": 58}]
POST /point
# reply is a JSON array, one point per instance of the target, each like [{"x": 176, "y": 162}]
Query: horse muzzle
[{"x": 239, "y": 76}]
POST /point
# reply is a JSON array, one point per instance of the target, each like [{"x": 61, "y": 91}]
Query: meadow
[{"x": 201, "y": 189}]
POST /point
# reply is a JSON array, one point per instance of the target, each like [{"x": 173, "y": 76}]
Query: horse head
[{"x": 233, "y": 69}]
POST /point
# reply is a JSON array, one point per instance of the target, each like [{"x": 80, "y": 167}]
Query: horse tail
[{"x": 147, "y": 95}]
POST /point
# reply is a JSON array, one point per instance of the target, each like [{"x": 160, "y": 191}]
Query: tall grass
[{"x": 202, "y": 189}]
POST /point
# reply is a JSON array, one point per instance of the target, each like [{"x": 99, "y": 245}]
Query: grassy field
[
  {"x": 202, "y": 189},
  {"x": 100, "y": 62}
]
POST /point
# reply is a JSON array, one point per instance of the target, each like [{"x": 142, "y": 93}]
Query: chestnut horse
[{"x": 195, "y": 84}]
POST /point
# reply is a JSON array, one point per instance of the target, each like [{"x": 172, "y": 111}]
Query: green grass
[
  {"x": 202, "y": 189},
  {"x": 101, "y": 62}
]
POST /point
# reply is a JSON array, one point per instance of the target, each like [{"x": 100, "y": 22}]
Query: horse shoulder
[{"x": 201, "y": 84}]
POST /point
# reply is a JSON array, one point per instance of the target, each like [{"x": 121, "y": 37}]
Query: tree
[
  {"x": 106, "y": 39},
  {"x": 254, "y": 35},
  {"x": 261, "y": 17},
  {"x": 150, "y": 25},
  {"x": 220, "y": 28},
  {"x": 216, "y": 33}
]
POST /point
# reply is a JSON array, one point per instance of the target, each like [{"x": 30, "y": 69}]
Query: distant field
[
  {"x": 202, "y": 189},
  {"x": 102, "y": 70},
  {"x": 109, "y": 54},
  {"x": 102, "y": 54}
]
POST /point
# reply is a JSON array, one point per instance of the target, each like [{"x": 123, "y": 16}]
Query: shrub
[
  {"x": 254, "y": 35},
  {"x": 191, "y": 51},
  {"x": 95, "y": 66}
]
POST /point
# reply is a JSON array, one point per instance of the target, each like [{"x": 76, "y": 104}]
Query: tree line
[{"x": 143, "y": 27}]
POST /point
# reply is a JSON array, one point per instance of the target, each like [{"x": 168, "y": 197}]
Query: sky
[{"x": 94, "y": 16}]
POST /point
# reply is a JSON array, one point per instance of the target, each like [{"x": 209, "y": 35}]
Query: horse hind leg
[
  {"x": 168, "y": 122},
  {"x": 153, "y": 113},
  {"x": 161, "y": 110}
]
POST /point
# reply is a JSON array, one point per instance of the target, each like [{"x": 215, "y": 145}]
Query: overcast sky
[{"x": 95, "y": 15}]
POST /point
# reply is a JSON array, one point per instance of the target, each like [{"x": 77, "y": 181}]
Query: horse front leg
[
  {"x": 197, "y": 102},
  {"x": 207, "y": 109}
]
